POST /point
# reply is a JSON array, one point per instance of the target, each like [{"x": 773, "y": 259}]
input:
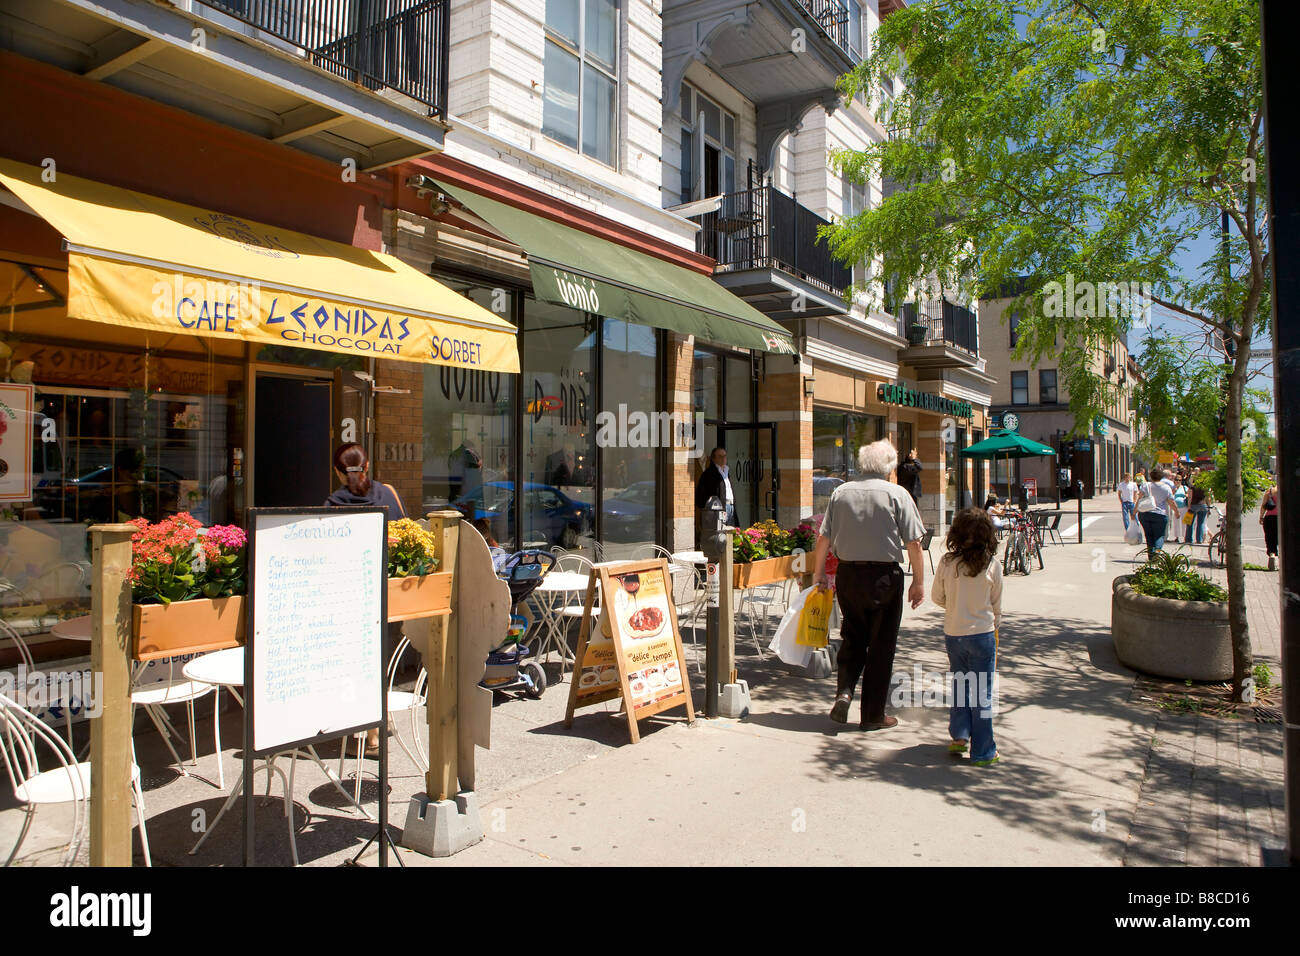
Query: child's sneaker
[
  {"x": 985, "y": 763},
  {"x": 958, "y": 746}
]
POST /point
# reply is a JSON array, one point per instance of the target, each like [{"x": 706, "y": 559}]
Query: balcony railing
[
  {"x": 944, "y": 322},
  {"x": 832, "y": 17},
  {"x": 762, "y": 228},
  {"x": 400, "y": 45}
]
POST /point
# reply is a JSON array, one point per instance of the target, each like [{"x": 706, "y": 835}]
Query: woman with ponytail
[{"x": 352, "y": 466}]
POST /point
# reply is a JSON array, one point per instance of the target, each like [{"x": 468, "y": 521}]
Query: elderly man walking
[{"x": 869, "y": 523}]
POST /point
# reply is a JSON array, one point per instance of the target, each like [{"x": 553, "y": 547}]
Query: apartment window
[
  {"x": 854, "y": 9},
  {"x": 1047, "y": 386},
  {"x": 580, "y": 101},
  {"x": 708, "y": 147},
  {"x": 853, "y": 197},
  {"x": 1020, "y": 388},
  {"x": 1014, "y": 322}
]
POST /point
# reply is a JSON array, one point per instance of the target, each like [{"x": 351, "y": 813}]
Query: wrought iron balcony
[
  {"x": 762, "y": 228},
  {"x": 401, "y": 45},
  {"x": 938, "y": 332},
  {"x": 833, "y": 18}
]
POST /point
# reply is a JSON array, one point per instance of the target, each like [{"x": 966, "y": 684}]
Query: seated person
[
  {"x": 499, "y": 554},
  {"x": 996, "y": 512}
]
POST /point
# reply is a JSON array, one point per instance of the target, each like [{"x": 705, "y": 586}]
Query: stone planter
[
  {"x": 160, "y": 631},
  {"x": 1183, "y": 640}
]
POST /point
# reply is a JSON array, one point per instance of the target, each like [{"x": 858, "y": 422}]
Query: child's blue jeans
[{"x": 970, "y": 659}]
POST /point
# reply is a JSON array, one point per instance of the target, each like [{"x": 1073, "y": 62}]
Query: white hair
[{"x": 877, "y": 459}]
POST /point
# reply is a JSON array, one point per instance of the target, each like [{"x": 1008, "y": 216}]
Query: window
[
  {"x": 580, "y": 101},
  {"x": 1015, "y": 326},
  {"x": 1019, "y": 388},
  {"x": 708, "y": 166},
  {"x": 1047, "y": 386},
  {"x": 854, "y": 9},
  {"x": 853, "y": 201}
]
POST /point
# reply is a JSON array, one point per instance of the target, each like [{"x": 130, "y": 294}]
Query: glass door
[{"x": 753, "y": 469}]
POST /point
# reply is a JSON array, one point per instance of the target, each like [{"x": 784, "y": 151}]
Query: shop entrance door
[
  {"x": 291, "y": 441},
  {"x": 753, "y": 469}
]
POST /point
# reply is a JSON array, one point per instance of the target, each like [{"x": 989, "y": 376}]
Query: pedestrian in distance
[
  {"x": 1268, "y": 512},
  {"x": 1155, "y": 509},
  {"x": 1127, "y": 497},
  {"x": 909, "y": 475},
  {"x": 968, "y": 586},
  {"x": 1198, "y": 507},
  {"x": 869, "y": 524},
  {"x": 715, "y": 482}
]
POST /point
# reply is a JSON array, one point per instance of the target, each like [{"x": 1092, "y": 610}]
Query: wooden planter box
[
  {"x": 160, "y": 631},
  {"x": 426, "y": 596},
  {"x": 762, "y": 572}
]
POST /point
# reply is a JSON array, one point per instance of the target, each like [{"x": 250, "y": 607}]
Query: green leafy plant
[
  {"x": 411, "y": 551},
  {"x": 176, "y": 559},
  {"x": 1172, "y": 576},
  {"x": 1263, "y": 676},
  {"x": 749, "y": 545},
  {"x": 1248, "y": 566},
  {"x": 1254, "y": 481}
]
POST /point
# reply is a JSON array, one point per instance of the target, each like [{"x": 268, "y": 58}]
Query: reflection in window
[{"x": 581, "y": 75}]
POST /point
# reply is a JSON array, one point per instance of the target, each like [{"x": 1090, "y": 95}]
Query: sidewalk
[{"x": 1090, "y": 773}]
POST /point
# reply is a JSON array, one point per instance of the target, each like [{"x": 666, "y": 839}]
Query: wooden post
[
  {"x": 727, "y": 616},
  {"x": 442, "y": 780},
  {"x": 110, "y": 733}
]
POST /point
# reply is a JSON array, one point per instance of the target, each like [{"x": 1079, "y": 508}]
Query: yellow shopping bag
[{"x": 814, "y": 619}]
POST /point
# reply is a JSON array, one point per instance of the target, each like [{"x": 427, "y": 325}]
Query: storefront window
[
  {"x": 469, "y": 436},
  {"x": 559, "y": 403},
  {"x": 629, "y": 369},
  {"x": 837, "y": 436}
]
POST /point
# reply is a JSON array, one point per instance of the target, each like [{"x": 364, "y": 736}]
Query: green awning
[{"x": 570, "y": 267}]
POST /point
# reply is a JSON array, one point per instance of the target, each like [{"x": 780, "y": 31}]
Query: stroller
[{"x": 508, "y": 666}]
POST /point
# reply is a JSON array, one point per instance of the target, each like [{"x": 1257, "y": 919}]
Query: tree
[{"x": 1070, "y": 149}]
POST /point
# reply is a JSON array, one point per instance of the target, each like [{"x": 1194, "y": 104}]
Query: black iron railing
[
  {"x": 833, "y": 18},
  {"x": 400, "y": 45},
  {"x": 762, "y": 228},
  {"x": 944, "y": 322}
]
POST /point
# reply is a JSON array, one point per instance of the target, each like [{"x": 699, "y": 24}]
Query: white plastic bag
[
  {"x": 784, "y": 644},
  {"x": 1133, "y": 533}
]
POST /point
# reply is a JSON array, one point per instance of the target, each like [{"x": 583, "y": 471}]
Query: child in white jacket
[{"x": 968, "y": 586}]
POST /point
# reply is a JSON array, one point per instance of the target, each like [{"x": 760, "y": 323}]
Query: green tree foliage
[
  {"x": 1048, "y": 147},
  {"x": 1254, "y": 481}
]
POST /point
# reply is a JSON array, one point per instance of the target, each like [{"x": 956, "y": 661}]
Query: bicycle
[
  {"x": 1218, "y": 547},
  {"x": 1023, "y": 545}
]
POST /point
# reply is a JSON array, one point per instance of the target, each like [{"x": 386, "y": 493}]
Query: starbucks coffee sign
[{"x": 911, "y": 398}]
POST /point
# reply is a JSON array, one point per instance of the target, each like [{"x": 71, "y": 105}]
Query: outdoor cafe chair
[
  {"x": 399, "y": 701},
  {"x": 175, "y": 689},
  {"x": 68, "y": 781}
]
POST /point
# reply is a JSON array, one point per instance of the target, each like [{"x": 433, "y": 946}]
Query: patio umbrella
[{"x": 1007, "y": 445}]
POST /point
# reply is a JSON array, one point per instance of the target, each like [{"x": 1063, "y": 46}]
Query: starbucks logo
[
  {"x": 1011, "y": 421},
  {"x": 245, "y": 235}
]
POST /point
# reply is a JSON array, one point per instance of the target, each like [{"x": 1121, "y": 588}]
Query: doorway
[
  {"x": 754, "y": 470},
  {"x": 292, "y": 440}
]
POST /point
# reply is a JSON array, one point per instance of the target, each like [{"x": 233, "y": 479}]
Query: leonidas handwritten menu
[
  {"x": 636, "y": 650},
  {"x": 317, "y": 624}
]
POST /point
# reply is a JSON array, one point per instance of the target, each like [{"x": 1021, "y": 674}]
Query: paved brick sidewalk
[{"x": 1212, "y": 790}]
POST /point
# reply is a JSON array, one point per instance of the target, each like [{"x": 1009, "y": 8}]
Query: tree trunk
[{"x": 1242, "y": 658}]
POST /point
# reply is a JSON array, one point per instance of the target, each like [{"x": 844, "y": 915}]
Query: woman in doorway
[
  {"x": 909, "y": 475},
  {"x": 1268, "y": 518},
  {"x": 352, "y": 466}
]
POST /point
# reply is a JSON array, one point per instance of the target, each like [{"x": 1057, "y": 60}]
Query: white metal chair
[
  {"x": 178, "y": 690},
  {"x": 398, "y": 701},
  {"x": 68, "y": 782},
  {"x": 560, "y": 613}
]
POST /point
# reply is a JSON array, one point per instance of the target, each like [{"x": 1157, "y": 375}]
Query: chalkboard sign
[{"x": 314, "y": 667}]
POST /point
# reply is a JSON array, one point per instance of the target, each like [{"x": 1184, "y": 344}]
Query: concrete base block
[
  {"x": 819, "y": 665},
  {"x": 442, "y": 827},
  {"x": 733, "y": 699}
]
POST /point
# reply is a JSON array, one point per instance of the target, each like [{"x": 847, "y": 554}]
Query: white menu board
[{"x": 317, "y": 588}]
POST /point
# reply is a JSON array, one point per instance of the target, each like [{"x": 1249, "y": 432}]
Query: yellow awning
[{"x": 157, "y": 265}]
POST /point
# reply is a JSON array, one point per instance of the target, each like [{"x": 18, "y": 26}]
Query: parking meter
[
  {"x": 1078, "y": 493},
  {"x": 715, "y": 541}
]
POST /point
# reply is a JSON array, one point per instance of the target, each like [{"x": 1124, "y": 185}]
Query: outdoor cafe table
[
  {"x": 226, "y": 668},
  {"x": 554, "y": 594}
]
